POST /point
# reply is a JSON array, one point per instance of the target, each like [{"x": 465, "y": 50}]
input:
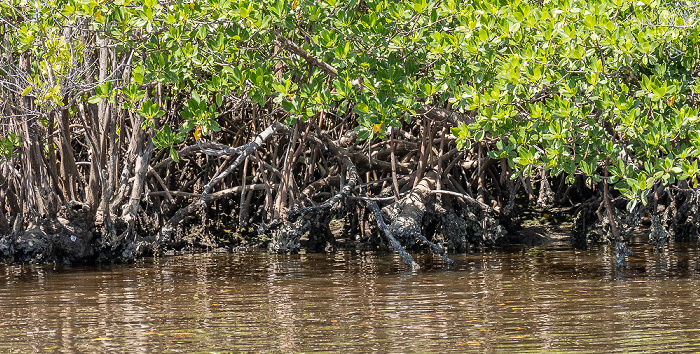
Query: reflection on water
[{"x": 535, "y": 299}]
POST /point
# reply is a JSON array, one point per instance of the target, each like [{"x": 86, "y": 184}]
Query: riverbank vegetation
[{"x": 133, "y": 127}]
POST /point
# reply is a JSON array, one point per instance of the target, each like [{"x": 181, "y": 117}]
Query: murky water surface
[{"x": 542, "y": 299}]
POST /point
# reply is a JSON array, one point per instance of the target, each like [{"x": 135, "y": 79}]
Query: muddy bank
[{"x": 68, "y": 239}]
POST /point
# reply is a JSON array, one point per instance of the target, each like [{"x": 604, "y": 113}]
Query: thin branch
[
  {"x": 294, "y": 48},
  {"x": 481, "y": 205},
  {"x": 162, "y": 184}
]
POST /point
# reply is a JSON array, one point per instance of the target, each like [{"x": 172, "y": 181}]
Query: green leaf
[
  {"x": 214, "y": 126},
  {"x": 187, "y": 126},
  {"x": 27, "y": 90},
  {"x": 288, "y": 106},
  {"x": 362, "y": 108},
  {"x": 174, "y": 155},
  {"x": 483, "y": 35},
  {"x": 363, "y": 133}
]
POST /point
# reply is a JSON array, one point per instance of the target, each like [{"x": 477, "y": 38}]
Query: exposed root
[
  {"x": 66, "y": 238},
  {"x": 287, "y": 238},
  {"x": 386, "y": 231},
  {"x": 170, "y": 226},
  {"x": 454, "y": 232},
  {"x": 546, "y": 195},
  {"x": 586, "y": 225},
  {"x": 592, "y": 224},
  {"x": 685, "y": 222},
  {"x": 407, "y": 214}
]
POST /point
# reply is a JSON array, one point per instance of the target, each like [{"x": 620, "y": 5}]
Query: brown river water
[{"x": 535, "y": 299}]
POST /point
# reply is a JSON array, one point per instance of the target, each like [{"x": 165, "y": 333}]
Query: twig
[
  {"x": 294, "y": 48},
  {"x": 465, "y": 197},
  {"x": 395, "y": 182},
  {"x": 376, "y": 199},
  {"x": 162, "y": 184},
  {"x": 217, "y": 195}
]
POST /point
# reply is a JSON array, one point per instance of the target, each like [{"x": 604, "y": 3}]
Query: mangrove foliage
[{"x": 130, "y": 128}]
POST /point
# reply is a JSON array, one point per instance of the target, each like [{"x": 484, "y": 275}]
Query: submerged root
[
  {"x": 386, "y": 231},
  {"x": 407, "y": 215},
  {"x": 621, "y": 254},
  {"x": 658, "y": 236},
  {"x": 286, "y": 238}
]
